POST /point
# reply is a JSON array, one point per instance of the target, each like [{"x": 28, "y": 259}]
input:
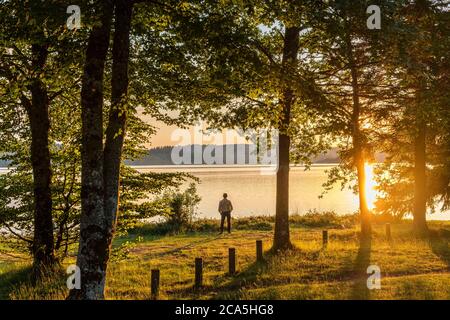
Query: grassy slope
[{"x": 411, "y": 268}]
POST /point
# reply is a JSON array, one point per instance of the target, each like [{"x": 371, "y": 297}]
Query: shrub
[
  {"x": 182, "y": 208},
  {"x": 315, "y": 219}
]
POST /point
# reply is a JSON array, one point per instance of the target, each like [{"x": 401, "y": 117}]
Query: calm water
[{"x": 253, "y": 193}]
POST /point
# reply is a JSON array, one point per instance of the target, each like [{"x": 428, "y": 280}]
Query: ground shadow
[
  {"x": 134, "y": 235},
  {"x": 226, "y": 286},
  {"x": 439, "y": 243},
  {"x": 359, "y": 289},
  {"x": 10, "y": 279},
  {"x": 185, "y": 247}
]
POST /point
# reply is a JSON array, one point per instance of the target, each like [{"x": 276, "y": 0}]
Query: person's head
[{"x": 225, "y": 195}]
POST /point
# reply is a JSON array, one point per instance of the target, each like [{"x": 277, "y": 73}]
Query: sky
[{"x": 172, "y": 135}]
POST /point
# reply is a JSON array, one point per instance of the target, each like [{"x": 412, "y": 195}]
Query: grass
[{"x": 411, "y": 268}]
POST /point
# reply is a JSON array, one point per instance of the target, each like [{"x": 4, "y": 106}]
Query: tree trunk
[
  {"x": 281, "y": 237},
  {"x": 422, "y": 9},
  {"x": 93, "y": 226},
  {"x": 358, "y": 148},
  {"x": 420, "y": 180},
  {"x": 38, "y": 114},
  {"x": 116, "y": 131},
  {"x": 365, "y": 216}
]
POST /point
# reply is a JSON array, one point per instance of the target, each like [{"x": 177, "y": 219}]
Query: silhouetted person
[{"x": 225, "y": 208}]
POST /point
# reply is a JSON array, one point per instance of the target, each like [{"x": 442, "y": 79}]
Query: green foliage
[
  {"x": 16, "y": 190},
  {"x": 221, "y": 61},
  {"x": 61, "y": 78},
  {"x": 138, "y": 202},
  {"x": 416, "y": 56},
  {"x": 181, "y": 208},
  {"x": 141, "y": 200}
]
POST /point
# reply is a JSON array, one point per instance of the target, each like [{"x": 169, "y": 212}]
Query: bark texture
[
  {"x": 38, "y": 115},
  {"x": 422, "y": 10},
  {"x": 282, "y": 237},
  {"x": 101, "y": 167},
  {"x": 116, "y": 131},
  {"x": 93, "y": 227},
  {"x": 358, "y": 147},
  {"x": 420, "y": 181}
]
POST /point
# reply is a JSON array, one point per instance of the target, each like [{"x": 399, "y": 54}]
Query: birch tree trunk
[
  {"x": 101, "y": 168},
  {"x": 93, "y": 227},
  {"x": 116, "y": 130}
]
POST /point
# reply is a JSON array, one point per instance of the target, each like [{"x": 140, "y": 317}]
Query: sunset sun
[{"x": 371, "y": 193}]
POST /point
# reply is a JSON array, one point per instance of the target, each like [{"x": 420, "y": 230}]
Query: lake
[{"x": 252, "y": 190}]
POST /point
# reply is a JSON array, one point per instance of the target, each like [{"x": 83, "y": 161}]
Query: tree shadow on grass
[
  {"x": 359, "y": 289},
  {"x": 226, "y": 286},
  {"x": 231, "y": 287},
  {"x": 439, "y": 243},
  {"x": 10, "y": 279},
  {"x": 245, "y": 278},
  {"x": 185, "y": 247}
]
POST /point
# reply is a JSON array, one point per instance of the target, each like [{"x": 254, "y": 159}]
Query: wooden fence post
[
  {"x": 325, "y": 238},
  {"x": 155, "y": 284},
  {"x": 388, "y": 232},
  {"x": 198, "y": 272},
  {"x": 231, "y": 261},
  {"x": 259, "y": 251}
]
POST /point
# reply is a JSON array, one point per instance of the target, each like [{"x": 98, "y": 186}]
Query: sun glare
[{"x": 371, "y": 193}]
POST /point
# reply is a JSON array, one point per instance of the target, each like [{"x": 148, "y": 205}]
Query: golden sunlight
[{"x": 371, "y": 193}]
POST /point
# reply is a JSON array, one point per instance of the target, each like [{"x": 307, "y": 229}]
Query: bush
[
  {"x": 312, "y": 219},
  {"x": 261, "y": 223},
  {"x": 182, "y": 208},
  {"x": 315, "y": 219}
]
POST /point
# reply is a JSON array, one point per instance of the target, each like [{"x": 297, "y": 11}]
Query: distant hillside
[
  {"x": 163, "y": 155},
  {"x": 154, "y": 157}
]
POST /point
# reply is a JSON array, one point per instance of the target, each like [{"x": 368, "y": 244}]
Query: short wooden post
[
  {"x": 325, "y": 238},
  {"x": 198, "y": 272},
  {"x": 259, "y": 251},
  {"x": 231, "y": 260},
  {"x": 155, "y": 284},
  {"x": 388, "y": 231}
]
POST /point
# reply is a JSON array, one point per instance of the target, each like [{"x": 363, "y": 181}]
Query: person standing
[{"x": 225, "y": 208}]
